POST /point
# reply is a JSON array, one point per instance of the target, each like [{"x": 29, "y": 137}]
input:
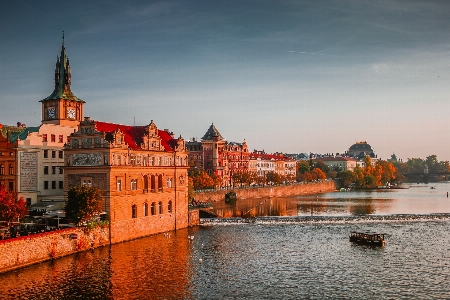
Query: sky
[{"x": 286, "y": 76}]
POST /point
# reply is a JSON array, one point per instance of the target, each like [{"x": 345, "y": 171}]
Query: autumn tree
[
  {"x": 318, "y": 174},
  {"x": 83, "y": 203},
  {"x": 12, "y": 208},
  {"x": 202, "y": 181}
]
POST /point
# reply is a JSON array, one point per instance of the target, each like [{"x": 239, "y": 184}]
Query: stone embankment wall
[
  {"x": 23, "y": 251},
  {"x": 265, "y": 192},
  {"x": 194, "y": 217}
]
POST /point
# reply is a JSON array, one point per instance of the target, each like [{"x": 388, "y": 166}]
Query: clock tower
[{"x": 62, "y": 107}]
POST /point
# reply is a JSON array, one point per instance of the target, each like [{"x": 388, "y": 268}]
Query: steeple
[
  {"x": 62, "y": 78},
  {"x": 62, "y": 106}
]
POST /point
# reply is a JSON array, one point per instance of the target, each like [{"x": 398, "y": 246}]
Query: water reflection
[
  {"x": 418, "y": 199},
  {"x": 158, "y": 267}
]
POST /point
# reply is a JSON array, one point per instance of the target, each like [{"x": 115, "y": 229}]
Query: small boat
[{"x": 367, "y": 238}]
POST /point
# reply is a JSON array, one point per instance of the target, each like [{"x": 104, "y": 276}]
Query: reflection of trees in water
[
  {"x": 248, "y": 208},
  {"x": 362, "y": 209}
]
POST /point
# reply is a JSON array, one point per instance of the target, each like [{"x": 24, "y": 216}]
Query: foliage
[
  {"x": 274, "y": 177},
  {"x": 318, "y": 174},
  {"x": 12, "y": 208},
  {"x": 202, "y": 181},
  {"x": 83, "y": 203},
  {"x": 191, "y": 193}
]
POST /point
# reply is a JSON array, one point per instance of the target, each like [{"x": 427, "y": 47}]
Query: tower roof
[
  {"x": 62, "y": 79},
  {"x": 212, "y": 132}
]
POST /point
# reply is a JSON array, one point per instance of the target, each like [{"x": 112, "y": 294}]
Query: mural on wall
[
  {"x": 87, "y": 159},
  {"x": 28, "y": 171}
]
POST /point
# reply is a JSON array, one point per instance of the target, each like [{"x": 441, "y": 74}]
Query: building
[
  {"x": 142, "y": 171},
  {"x": 263, "y": 163},
  {"x": 339, "y": 163},
  {"x": 37, "y": 152},
  {"x": 217, "y": 156},
  {"x": 360, "y": 150}
]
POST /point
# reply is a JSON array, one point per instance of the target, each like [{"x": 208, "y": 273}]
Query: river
[{"x": 305, "y": 257}]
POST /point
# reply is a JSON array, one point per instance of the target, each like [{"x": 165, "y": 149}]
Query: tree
[
  {"x": 202, "y": 181},
  {"x": 12, "y": 208},
  {"x": 83, "y": 203},
  {"x": 318, "y": 174}
]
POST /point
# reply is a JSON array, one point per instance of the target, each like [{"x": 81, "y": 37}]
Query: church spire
[{"x": 62, "y": 78}]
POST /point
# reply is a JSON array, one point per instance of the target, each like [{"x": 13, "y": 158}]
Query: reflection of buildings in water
[
  {"x": 162, "y": 273},
  {"x": 247, "y": 208},
  {"x": 57, "y": 277}
]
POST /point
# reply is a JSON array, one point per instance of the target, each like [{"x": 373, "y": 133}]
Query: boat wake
[{"x": 327, "y": 219}]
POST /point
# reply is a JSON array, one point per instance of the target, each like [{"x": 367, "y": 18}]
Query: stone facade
[
  {"x": 142, "y": 171},
  {"x": 23, "y": 251}
]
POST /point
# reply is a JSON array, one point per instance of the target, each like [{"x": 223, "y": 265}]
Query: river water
[{"x": 284, "y": 253}]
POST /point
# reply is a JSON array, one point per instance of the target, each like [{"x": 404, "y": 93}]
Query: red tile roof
[{"x": 133, "y": 135}]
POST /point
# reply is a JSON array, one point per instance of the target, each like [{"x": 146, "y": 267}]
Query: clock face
[
  {"x": 51, "y": 113},
  {"x": 71, "y": 113}
]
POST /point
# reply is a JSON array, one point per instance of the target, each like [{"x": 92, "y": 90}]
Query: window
[
  {"x": 11, "y": 170},
  {"x": 45, "y": 169},
  {"x": 53, "y": 169},
  {"x": 53, "y": 154},
  {"x": 169, "y": 182},
  {"x": 61, "y": 138},
  {"x": 60, "y": 170},
  {"x": 60, "y": 154},
  {"x": 134, "y": 211},
  {"x": 53, "y": 185},
  {"x": 145, "y": 209},
  {"x": 152, "y": 209},
  {"x": 86, "y": 181},
  {"x": 45, "y": 153},
  {"x": 68, "y": 139},
  {"x": 160, "y": 209},
  {"x": 2, "y": 170},
  {"x": 61, "y": 185},
  {"x": 133, "y": 184},
  {"x": 53, "y": 138},
  {"x": 45, "y": 185},
  {"x": 44, "y": 138},
  {"x": 119, "y": 185},
  {"x": 11, "y": 186},
  {"x": 169, "y": 207}
]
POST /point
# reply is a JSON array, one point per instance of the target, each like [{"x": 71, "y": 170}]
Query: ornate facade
[
  {"x": 217, "y": 156},
  {"x": 141, "y": 169}
]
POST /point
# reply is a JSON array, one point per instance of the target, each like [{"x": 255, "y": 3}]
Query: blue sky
[{"x": 287, "y": 76}]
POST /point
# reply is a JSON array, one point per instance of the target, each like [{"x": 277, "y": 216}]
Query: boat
[{"x": 368, "y": 238}]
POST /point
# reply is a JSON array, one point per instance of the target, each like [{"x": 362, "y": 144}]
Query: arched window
[
  {"x": 160, "y": 183},
  {"x": 145, "y": 183},
  {"x": 160, "y": 208},
  {"x": 11, "y": 170},
  {"x": 153, "y": 209},
  {"x": 134, "y": 211},
  {"x": 169, "y": 207},
  {"x": 2, "y": 170},
  {"x": 145, "y": 209},
  {"x": 153, "y": 183}
]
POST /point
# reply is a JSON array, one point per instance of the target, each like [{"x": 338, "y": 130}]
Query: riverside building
[{"x": 142, "y": 171}]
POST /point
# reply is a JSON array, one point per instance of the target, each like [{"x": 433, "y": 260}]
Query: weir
[{"x": 327, "y": 219}]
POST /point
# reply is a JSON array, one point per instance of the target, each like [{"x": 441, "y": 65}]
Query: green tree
[
  {"x": 12, "y": 208},
  {"x": 83, "y": 203},
  {"x": 346, "y": 178}
]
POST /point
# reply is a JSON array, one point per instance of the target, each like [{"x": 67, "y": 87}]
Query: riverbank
[{"x": 269, "y": 191}]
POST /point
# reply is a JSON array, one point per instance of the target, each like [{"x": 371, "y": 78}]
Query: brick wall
[
  {"x": 264, "y": 192},
  {"x": 20, "y": 252}
]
